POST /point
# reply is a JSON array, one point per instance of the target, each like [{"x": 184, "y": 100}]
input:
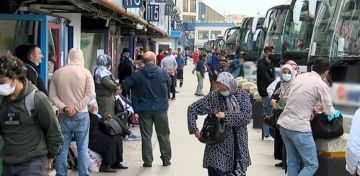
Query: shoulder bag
[
  {"x": 324, "y": 129},
  {"x": 213, "y": 130}
]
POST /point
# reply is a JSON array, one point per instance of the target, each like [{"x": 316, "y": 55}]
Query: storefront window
[
  {"x": 193, "y": 6},
  {"x": 185, "y": 5},
  {"x": 203, "y": 35}
]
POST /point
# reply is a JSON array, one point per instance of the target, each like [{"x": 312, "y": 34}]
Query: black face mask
[{"x": 271, "y": 56}]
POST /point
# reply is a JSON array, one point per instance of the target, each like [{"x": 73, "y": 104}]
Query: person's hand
[
  {"x": 137, "y": 118},
  {"x": 108, "y": 117},
  {"x": 312, "y": 116},
  {"x": 50, "y": 161},
  {"x": 70, "y": 111},
  {"x": 273, "y": 103},
  {"x": 118, "y": 90},
  {"x": 220, "y": 115},
  {"x": 318, "y": 108},
  {"x": 197, "y": 134}
]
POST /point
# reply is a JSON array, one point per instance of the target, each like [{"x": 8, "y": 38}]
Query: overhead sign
[
  {"x": 346, "y": 94},
  {"x": 132, "y": 3},
  {"x": 169, "y": 9},
  {"x": 153, "y": 13}
]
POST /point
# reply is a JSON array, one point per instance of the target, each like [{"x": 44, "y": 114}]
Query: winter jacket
[
  {"x": 150, "y": 87},
  {"x": 34, "y": 76},
  {"x": 265, "y": 76},
  {"x": 29, "y": 137}
]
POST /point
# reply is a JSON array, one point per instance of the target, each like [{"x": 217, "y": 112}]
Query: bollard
[{"x": 331, "y": 156}]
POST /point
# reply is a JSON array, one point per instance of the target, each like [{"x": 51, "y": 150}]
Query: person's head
[
  {"x": 269, "y": 52},
  {"x": 161, "y": 51},
  {"x": 321, "y": 66},
  {"x": 170, "y": 50},
  {"x": 126, "y": 52},
  {"x": 149, "y": 57},
  {"x": 34, "y": 54},
  {"x": 217, "y": 50},
  {"x": 21, "y": 52},
  {"x": 226, "y": 84},
  {"x": 294, "y": 65},
  {"x": 76, "y": 57},
  {"x": 202, "y": 57},
  {"x": 223, "y": 61},
  {"x": 287, "y": 73},
  {"x": 12, "y": 72},
  {"x": 104, "y": 60},
  {"x": 179, "y": 53},
  {"x": 310, "y": 65}
]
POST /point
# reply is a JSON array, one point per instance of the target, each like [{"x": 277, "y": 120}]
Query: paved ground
[{"x": 187, "y": 151}]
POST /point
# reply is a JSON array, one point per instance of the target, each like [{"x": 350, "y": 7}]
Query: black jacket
[
  {"x": 33, "y": 76},
  {"x": 125, "y": 69},
  {"x": 265, "y": 76}
]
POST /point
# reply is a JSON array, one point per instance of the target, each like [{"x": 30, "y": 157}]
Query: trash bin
[{"x": 257, "y": 113}]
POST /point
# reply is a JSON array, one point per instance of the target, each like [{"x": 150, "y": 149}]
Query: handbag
[
  {"x": 213, "y": 130},
  {"x": 324, "y": 129},
  {"x": 111, "y": 127}
]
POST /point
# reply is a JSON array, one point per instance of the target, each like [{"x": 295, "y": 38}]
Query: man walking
[
  {"x": 265, "y": 76},
  {"x": 305, "y": 92},
  {"x": 170, "y": 65},
  {"x": 150, "y": 100},
  {"x": 180, "y": 68},
  {"x": 214, "y": 64},
  {"x": 71, "y": 89}
]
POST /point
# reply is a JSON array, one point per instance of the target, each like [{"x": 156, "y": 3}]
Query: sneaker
[
  {"x": 147, "y": 165},
  {"x": 269, "y": 138},
  {"x": 281, "y": 164},
  {"x": 133, "y": 137},
  {"x": 166, "y": 163}
]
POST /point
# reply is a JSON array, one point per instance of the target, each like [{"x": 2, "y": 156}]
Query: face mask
[
  {"x": 6, "y": 89},
  {"x": 225, "y": 93},
  {"x": 271, "y": 56},
  {"x": 286, "y": 77}
]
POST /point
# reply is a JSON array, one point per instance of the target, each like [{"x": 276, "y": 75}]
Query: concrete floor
[{"x": 187, "y": 152}]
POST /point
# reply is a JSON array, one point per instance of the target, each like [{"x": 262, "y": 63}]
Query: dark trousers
[
  {"x": 172, "y": 87},
  {"x": 126, "y": 93},
  {"x": 216, "y": 172},
  {"x": 160, "y": 120},
  {"x": 34, "y": 167}
]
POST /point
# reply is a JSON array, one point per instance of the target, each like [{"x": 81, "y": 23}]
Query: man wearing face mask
[
  {"x": 31, "y": 56},
  {"x": 32, "y": 136},
  {"x": 305, "y": 92},
  {"x": 265, "y": 76}
]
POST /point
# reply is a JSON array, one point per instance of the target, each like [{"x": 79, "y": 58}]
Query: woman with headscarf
[
  {"x": 105, "y": 86},
  {"x": 230, "y": 157},
  {"x": 112, "y": 154},
  {"x": 278, "y": 102}
]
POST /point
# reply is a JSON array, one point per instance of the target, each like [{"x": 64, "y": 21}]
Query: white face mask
[
  {"x": 6, "y": 89},
  {"x": 225, "y": 93},
  {"x": 286, "y": 77}
]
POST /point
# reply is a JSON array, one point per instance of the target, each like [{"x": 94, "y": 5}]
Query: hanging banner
[
  {"x": 153, "y": 12},
  {"x": 132, "y": 3}
]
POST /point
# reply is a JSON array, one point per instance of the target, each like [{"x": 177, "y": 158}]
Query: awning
[{"x": 112, "y": 5}]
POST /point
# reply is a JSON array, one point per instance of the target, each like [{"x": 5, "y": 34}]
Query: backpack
[{"x": 29, "y": 102}]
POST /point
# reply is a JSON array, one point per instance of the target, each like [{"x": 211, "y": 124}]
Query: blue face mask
[{"x": 286, "y": 77}]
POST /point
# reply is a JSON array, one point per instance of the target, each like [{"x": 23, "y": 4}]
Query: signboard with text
[
  {"x": 153, "y": 13},
  {"x": 168, "y": 9},
  {"x": 132, "y": 3},
  {"x": 160, "y": 1}
]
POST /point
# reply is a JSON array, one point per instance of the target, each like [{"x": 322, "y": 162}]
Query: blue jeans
[
  {"x": 268, "y": 112},
  {"x": 77, "y": 126},
  {"x": 300, "y": 145}
]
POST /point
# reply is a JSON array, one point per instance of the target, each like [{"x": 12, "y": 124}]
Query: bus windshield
[{"x": 297, "y": 33}]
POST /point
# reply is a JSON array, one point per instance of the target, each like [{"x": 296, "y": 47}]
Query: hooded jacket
[
  {"x": 28, "y": 137},
  {"x": 73, "y": 84},
  {"x": 150, "y": 87}
]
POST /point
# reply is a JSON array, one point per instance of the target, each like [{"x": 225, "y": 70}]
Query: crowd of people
[{"x": 38, "y": 125}]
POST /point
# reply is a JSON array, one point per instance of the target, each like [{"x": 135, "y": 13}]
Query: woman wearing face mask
[
  {"x": 105, "y": 86},
  {"x": 278, "y": 101},
  {"x": 32, "y": 137},
  {"x": 233, "y": 105}
]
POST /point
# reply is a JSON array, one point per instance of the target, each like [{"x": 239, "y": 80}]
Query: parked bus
[
  {"x": 337, "y": 36},
  {"x": 231, "y": 37}
]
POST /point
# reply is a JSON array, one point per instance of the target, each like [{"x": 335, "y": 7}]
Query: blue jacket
[
  {"x": 236, "y": 69},
  {"x": 215, "y": 62},
  {"x": 180, "y": 62},
  {"x": 149, "y": 87}
]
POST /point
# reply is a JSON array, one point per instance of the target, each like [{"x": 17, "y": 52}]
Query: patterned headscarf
[
  {"x": 103, "y": 62},
  {"x": 229, "y": 81}
]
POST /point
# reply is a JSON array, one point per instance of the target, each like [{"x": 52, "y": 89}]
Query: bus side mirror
[
  {"x": 297, "y": 14},
  {"x": 312, "y": 8}
]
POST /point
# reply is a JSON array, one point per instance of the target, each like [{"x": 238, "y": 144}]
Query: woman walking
[
  {"x": 200, "y": 70},
  {"x": 230, "y": 157}
]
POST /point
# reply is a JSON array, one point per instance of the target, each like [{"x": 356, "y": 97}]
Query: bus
[
  {"x": 274, "y": 23},
  {"x": 231, "y": 40},
  {"x": 297, "y": 32},
  {"x": 336, "y": 35}
]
